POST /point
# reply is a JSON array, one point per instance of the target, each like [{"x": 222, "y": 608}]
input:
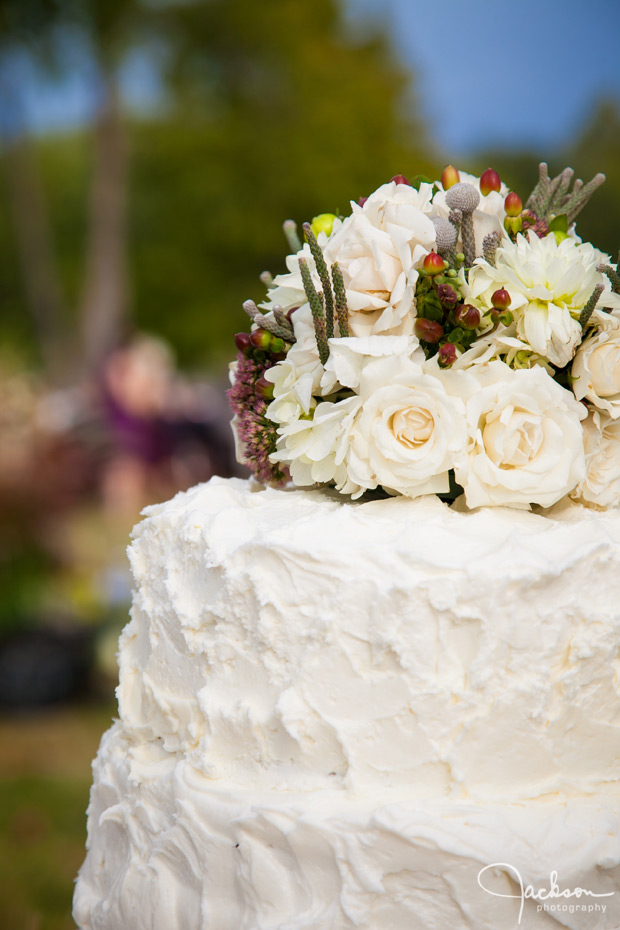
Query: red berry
[
  {"x": 428, "y": 330},
  {"x": 501, "y": 299},
  {"x": 261, "y": 339},
  {"x": 399, "y": 179},
  {"x": 489, "y": 181},
  {"x": 434, "y": 263},
  {"x": 513, "y": 204},
  {"x": 449, "y": 177},
  {"x": 242, "y": 342},
  {"x": 468, "y": 316},
  {"x": 362, "y": 201},
  {"x": 448, "y": 295},
  {"x": 447, "y": 355}
]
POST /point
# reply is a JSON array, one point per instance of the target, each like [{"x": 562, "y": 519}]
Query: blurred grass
[{"x": 45, "y": 779}]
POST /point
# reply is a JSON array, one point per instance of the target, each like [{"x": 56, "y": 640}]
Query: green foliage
[
  {"x": 273, "y": 113},
  {"x": 278, "y": 116},
  {"x": 24, "y": 571},
  {"x": 42, "y": 826},
  {"x": 559, "y": 223},
  {"x": 596, "y": 148}
]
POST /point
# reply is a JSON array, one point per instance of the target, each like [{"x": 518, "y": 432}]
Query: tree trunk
[
  {"x": 104, "y": 303},
  {"x": 36, "y": 255}
]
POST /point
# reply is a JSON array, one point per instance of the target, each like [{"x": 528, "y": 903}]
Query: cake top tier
[
  {"x": 294, "y": 640},
  {"x": 444, "y": 338}
]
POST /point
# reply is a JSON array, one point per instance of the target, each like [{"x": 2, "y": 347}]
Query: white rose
[
  {"x": 525, "y": 442},
  {"x": 596, "y": 368},
  {"x": 297, "y": 377},
  {"x": 314, "y": 447},
  {"x": 378, "y": 249},
  {"x": 407, "y": 434},
  {"x": 240, "y": 453},
  {"x": 348, "y": 357},
  {"x": 398, "y": 209},
  {"x": 601, "y": 486}
]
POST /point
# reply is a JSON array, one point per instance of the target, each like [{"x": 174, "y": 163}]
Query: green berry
[
  {"x": 261, "y": 339},
  {"x": 324, "y": 222}
]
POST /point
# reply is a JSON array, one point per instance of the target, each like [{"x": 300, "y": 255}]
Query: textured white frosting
[{"x": 375, "y": 700}]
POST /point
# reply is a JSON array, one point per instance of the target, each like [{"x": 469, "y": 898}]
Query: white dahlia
[{"x": 549, "y": 284}]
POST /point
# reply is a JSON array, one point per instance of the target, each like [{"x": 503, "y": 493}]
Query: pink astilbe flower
[{"x": 256, "y": 433}]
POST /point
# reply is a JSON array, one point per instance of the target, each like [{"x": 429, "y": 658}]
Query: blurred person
[{"x": 165, "y": 432}]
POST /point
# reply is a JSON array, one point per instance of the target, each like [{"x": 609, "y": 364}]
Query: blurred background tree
[
  {"x": 166, "y": 220},
  {"x": 162, "y": 217}
]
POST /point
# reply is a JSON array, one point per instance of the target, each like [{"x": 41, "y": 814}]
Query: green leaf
[
  {"x": 559, "y": 223},
  {"x": 432, "y": 311}
]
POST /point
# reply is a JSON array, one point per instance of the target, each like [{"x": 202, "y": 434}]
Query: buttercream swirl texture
[{"x": 333, "y": 715}]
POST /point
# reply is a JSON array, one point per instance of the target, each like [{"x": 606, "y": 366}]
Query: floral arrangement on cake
[{"x": 444, "y": 338}]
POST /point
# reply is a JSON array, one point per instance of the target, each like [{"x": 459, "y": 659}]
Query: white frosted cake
[
  {"x": 356, "y": 707},
  {"x": 373, "y": 715}
]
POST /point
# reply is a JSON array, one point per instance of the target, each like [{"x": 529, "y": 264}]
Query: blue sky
[
  {"x": 504, "y": 73},
  {"x": 487, "y": 73}
]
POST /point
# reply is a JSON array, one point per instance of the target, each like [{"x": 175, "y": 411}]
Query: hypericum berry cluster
[
  {"x": 249, "y": 398},
  {"x": 444, "y": 324}
]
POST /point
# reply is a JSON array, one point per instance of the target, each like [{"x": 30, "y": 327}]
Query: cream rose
[
  {"x": 601, "y": 486},
  {"x": 525, "y": 442},
  {"x": 408, "y": 432},
  {"x": 348, "y": 357},
  {"x": 297, "y": 377},
  {"x": 397, "y": 209},
  {"x": 314, "y": 447},
  {"x": 596, "y": 368},
  {"x": 378, "y": 249}
]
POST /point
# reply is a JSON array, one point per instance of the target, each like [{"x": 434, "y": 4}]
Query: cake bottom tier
[{"x": 169, "y": 849}]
